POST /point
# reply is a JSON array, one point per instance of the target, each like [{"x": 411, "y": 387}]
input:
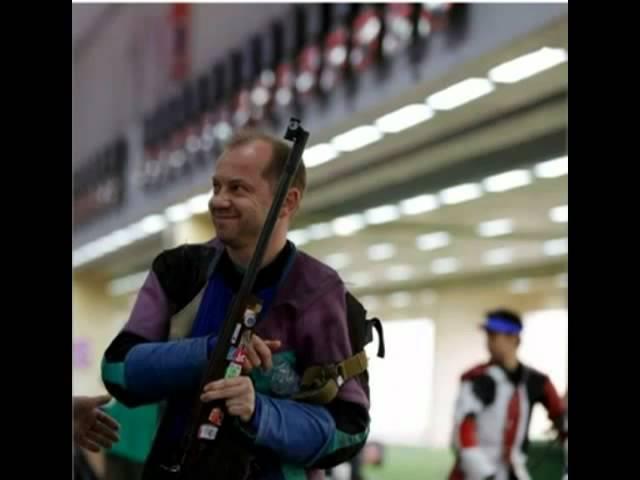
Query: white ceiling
[{"x": 510, "y": 128}]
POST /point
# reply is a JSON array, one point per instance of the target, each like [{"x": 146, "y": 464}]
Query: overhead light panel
[
  {"x": 460, "y": 94},
  {"x": 507, "y": 181},
  {"x": 399, "y": 273},
  {"x": 528, "y": 65},
  {"x": 381, "y": 251},
  {"x": 400, "y": 299},
  {"x": 520, "y": 285},
  {"x": 356, "y": 138},
  {"x": 498, "y": 256},
  {"x": 199, "y": 204},
  {"x": 338, "y": 261},
  {"x": 348, "y": 225},
  {"x": 460, "y": 193},
  {"x": 559, "y": 214},
  {"x": 359, "y": 279},
  {"x": 320, "y": 231},
  {"x": 495, "y": 228},
  {"x": 382, "y": 214},
  {"x": 178, "y": 213},
  {"x": 153, "y": 224},
  {"x": 442, "y": 266},
  {"x": 319, "y": 154},
  {"x": 419, "y": 204},
  {"x": 558, "y": 246},
  {"x": 405, "y": 117},
  {"x": 299, "y": 237},
  {"x": 552, "y": 168},
  {"x": 432, "y": 241}
]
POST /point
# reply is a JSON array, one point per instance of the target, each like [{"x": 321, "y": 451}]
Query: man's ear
[{"x": 291, "y": 203}]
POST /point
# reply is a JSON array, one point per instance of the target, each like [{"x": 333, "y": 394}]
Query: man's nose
[{"x": 219, "y": 200}]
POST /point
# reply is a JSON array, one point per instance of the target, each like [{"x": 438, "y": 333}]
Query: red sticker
[{"x": 216, "y": 417}]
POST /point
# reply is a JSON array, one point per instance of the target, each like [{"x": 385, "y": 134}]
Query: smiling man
[{"x": 163, "y": 349}]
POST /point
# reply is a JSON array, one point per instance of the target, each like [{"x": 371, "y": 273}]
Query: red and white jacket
[{"x": 491, "y": 422}]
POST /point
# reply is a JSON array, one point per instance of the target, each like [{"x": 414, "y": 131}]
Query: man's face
[
  {"x": 501, "y": 345},
  {"x": 241, "y": 195}
]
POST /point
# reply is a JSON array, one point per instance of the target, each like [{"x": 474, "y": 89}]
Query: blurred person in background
[
  {"x": 92, "y": 428},
  {"x": 494, "y": 405},
  {"x": 163, "y": 349}
]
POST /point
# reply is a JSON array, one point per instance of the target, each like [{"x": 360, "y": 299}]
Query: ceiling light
[
  {"x": 404, "y": 118},
  {"x": 528, "y": 65},
  {"x": 299, "y": 237},
  {"x": 460, "y": 193},
  {"x": 356, "y": 138},
  {"x": 199, "y": 203},
  {"x": 153, "y": 224},
  {"x": 369, "y": 302},
  {"x": 444, "y": 265},
  {"x": 398, "y": 273},
  {"x": 178, "y": 213},
  {"x": 559, "y": 214},
  {"x": 507, "y": 181},
  {"x": 495, "y": 228},
  {"x": 432, "y": 241},
  {"x": 520, "y": 285},
  {"x": 359, "y": 279},
  {"x": 381, "y": 251},
  {"x": 382, "y": 214},
  {"x": 338, "y": 261},
  {"x": 460, "y": 93},
  {"x": 128, "y": 284},
  {"x": 498, "y": 256},
  {"x": 553, "y": 168},
  {"x": 400, "y": 299},
  {"x": 348, "y": 225},
  {"x": 319, "y": 154},
  {"x": 562, "y": 280},
  {"x": 558, "y": 246},
  {"x": 419, "y": 204},
  {"x": 121, "y": 238},
  {"x": 320, "y": 231}
]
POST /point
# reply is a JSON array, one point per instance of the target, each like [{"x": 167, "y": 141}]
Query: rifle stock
[{"x": 212, "y": 448}]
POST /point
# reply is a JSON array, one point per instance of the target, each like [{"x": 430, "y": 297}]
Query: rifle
[{"x": 212, "y": 447}]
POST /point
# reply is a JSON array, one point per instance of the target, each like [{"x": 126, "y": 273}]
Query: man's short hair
[{"x": 280, "y": 153}]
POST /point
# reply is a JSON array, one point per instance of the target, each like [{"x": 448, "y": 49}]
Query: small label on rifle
[
  {"x": 233, "y": 370},
  {"x": 236, "y": 333},
  {"x": 207, "y": 431},
  {"x": 237, "y": 354},
  {"x": 216, "y": 416}
]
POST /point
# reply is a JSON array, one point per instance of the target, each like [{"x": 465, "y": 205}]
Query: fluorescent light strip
[
  {"x": 495, "y": 228},
  {"x": 178, "y": 213},
  {"x": 382, "y": 214},
  {"x": 348, "y": 224},
  {"x": 552, "y": 168},
  {"x": 199, "y": 204},
  {"x": 528, "y": 65},
  {"x": 442, "y": 266},
  {"x": 338, "y": 261},
  {"x": 403, "y": 118},
  {"x": 559, "y": 214},
  {"x": 319, "y": 154},
  {"x": 460, "y": 193},
  {"x": 507, "y": 181},
  {"x": 460, "y": 94},
  {"x": 356, "y": 138},
  {"x": 128, "y": 284},
  {"x": 381, "y": 251},
  {"x": 398, "y": 273},
  {"x": 400, "y": 299},
  {"x": 556, "y": 247},
  {"x": 419, "y": 204},
  {"x": 299, "y": 237},
  {"x": 498, "y": 256},
  {"x": 320, "y": 231},
  {"x": 432, "y": 241}
]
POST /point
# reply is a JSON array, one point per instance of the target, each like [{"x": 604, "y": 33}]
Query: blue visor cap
[{"x": 501, "y": 325}]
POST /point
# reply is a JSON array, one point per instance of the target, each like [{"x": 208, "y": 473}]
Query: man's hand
[
  {"x": 92, "y": 428},
  {"x": 238, "y": 392},
  {"x": 259, "y": 353}
]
